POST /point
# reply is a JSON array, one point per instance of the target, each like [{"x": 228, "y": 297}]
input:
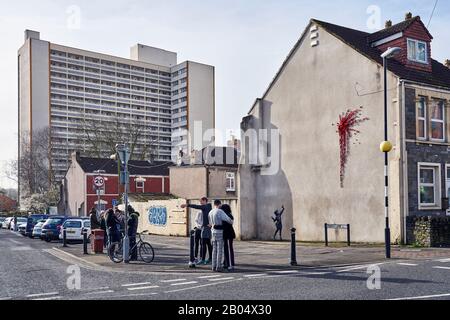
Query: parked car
[
  {"x": 20, "y": 220},
  {"x": 7, "y": 223},
  {"x": 52, "y": 228},
  {"x": 32, "y": 221},
  {"x": 74, "y": 229},
  {"x": 22, "y": 229},
  {"x": 2, "y": 219},
  {"x": 37, "y": 230}
]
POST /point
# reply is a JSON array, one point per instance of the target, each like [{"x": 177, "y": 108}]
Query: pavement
[{"x": 34, "y": 270}]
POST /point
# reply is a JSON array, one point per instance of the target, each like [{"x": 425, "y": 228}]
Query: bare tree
[
  {"x": 33, "y": 169},
  {"x": 103, "y": 136}
]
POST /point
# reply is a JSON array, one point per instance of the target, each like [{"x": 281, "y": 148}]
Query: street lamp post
[
  {"x": 124, "y": 154},
  {"x": 386, "y": 147}
]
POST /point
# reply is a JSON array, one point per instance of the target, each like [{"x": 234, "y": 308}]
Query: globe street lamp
[{"x": 386, "y": 147}]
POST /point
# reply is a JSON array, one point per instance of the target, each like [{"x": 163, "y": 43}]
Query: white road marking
[
  {"x": 15, "y": 241},
  {"x": 24, "y": 248},
  {"x": 208, "y": 277},
  {"x": 221, "y": 279},
  {"x": 408, "y": 264},
  {"x": 42, "y": 294},
  {"x": 170, "y": 281},
  {"x": 255, "y": 275},
  {"x": 136, "y": 284},
  {"x": 443, "y": 260},
  {"x": 444, "y": 268},
  {"x": 287, "y": 272},
  {"x": 267, "y": 277},
  {"x": 142, "y": 288},
  {"x": 183, "y": 283},
  {"x": 99, "y": 292},
  {"x": 359, "y": 267},
  {"x": 202, "y": 286},
  {"x": 4, "y": 299},
  {"x": 422, "y": 297},
  {"x": 135, "y": 295},
  {"x": 45, "y": 299}
]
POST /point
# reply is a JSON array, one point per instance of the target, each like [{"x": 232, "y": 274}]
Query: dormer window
[{"x": 417, "y": 51}]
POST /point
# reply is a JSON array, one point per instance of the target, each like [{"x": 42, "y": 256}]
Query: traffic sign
[{"x": 99, "y": 181}]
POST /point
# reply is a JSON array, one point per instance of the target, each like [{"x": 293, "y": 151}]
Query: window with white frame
[
  {"x": 437, "y": 119},
  {"x": 429, "y": 185},
  {"x": 140, "y": 186},
  {"x": 422, "y": 118},
  {"x": 231, "y": 181},
  {"x": 417, "y": 51}
]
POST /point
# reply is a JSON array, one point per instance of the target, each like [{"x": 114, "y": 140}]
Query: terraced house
[{"x": 330, "y": 72}]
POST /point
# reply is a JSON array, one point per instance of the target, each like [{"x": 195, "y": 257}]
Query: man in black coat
[
  {"x": 133, "y": 223},
  {"x": 95, "y": 224}
]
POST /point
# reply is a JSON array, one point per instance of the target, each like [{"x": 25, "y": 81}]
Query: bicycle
[{"x": 144, "y": 249}]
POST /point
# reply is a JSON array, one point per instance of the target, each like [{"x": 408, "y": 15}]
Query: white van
[{"x": 74, "y": 229}]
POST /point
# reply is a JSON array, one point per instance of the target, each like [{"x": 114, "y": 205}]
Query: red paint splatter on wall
[{"x": 348, "y": 121}]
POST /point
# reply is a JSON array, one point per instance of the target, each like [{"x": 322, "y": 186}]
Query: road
[{"x": 34, "y": 270}]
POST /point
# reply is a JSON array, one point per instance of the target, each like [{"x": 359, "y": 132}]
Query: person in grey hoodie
[{"x": 216, "y": 219}]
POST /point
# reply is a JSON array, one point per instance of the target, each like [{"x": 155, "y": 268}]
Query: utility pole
[{"x": 124, "y": 154}]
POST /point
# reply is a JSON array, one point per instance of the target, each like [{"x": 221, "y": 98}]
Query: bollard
[
  {"x": 191, "y": 248},
  {"x": 64, "y": 238},
  {"x": 85, "y": 242},
  {"x": 293, "y": 248},
  {"x": 326, "y": 234},
  {"x": 348, "y": 235}
]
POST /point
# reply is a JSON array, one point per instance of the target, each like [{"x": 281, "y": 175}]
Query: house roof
[
  {"x": 358, "y": 40},
  {"x": 361, "y": 42},
  {"x": 399, "y": 27},
  {"x": 142, "y": 168}
]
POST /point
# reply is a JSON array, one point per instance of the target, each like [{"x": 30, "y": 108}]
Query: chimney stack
[
  {"x": 388, "y": 24},
  {"x": 447, "y": 63},
  {"x": 408, "y": 16}
]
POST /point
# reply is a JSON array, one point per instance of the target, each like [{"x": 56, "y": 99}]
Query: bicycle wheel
[
  {"x": 146, "y": 252},
  {"x": 115, "y": 252}
]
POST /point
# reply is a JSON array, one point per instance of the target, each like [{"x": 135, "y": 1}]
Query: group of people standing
[
  {"x": 214, "y": 233},
  {"x": 112, "y": 222}
]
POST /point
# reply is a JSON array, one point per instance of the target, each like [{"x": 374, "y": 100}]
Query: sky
[{"x": 246, "y": 40}]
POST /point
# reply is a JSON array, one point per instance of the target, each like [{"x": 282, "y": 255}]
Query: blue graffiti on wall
[{"x": 157, "y": 216}]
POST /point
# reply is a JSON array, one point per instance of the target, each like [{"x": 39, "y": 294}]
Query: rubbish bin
[{"x": 97, "y": 240}]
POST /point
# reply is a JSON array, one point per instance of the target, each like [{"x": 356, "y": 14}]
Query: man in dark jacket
[
  {"x": 112, "y": 226},
  {"x": 95, "y": 224},
  {"x": 133, "y": 222},
  {"x": 203, "y": 230}
]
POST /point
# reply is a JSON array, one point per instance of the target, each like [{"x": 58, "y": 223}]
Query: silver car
[{"x": 37, "y": 230}]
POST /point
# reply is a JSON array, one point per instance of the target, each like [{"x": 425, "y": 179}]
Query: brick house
[
  {"x": 7, "y": 204},
  {"x": 331, "y": 70},
  {"x": 78, "y": 194}
]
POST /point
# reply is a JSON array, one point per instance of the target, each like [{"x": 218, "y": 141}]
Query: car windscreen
[
  {"x": 22, "y": 220},
  {"x": 87, "y": 224},
  {"x": 34, "y": 220},
  {"x": 72, "y": 224},
  {"x": 54, "y": 221}
]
